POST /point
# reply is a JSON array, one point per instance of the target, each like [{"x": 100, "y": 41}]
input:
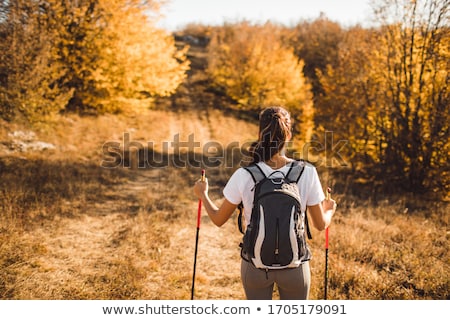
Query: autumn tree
[
  {"x": 398, "y": 94},
  {"x": 118, "y": 58},
  {"x": 78, "y": 26},
  {"x": 251, "y": 65},
  {"x": 98, "y": 55},
  {"x": 416, "y": 77},
  {"x": 30, "y": 73},
  {"x": 347, "y": 104},
  {"x": 138, "y": 60},
  {"x": 316, "y": 42}
]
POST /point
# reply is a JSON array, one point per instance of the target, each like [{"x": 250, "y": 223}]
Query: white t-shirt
[{"x": 240, "y": 187}]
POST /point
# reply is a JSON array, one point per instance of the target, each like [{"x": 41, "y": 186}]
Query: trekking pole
[
  {"x": 199, "y": 213},
  {"x": 326, "y": 251}
]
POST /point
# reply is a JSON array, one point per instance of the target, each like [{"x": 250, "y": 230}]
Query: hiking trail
[{"x": 110, "y": 249}]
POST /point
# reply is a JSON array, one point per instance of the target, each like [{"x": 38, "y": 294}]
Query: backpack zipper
[{"x": 277, "y": 240}]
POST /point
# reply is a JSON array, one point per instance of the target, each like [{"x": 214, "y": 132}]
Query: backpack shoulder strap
[
  {"x": 240, "y": 217},
  {"x": 294, "y": 174},
  {"x": 296, "y": 170},
  {"x": 256, "y": 172},
  {"x": 257, "y": 175}
]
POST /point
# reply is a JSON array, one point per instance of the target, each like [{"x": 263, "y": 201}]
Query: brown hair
[{"x": 274, "y": 128}]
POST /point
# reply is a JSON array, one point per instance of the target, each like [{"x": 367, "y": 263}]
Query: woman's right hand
[{"x": 201, "y": 188}]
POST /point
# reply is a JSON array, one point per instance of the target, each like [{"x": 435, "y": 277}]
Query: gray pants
[{"x": 292, "y": 284}]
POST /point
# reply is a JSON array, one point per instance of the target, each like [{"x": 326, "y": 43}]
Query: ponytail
[{"x": 274, "y": 128}]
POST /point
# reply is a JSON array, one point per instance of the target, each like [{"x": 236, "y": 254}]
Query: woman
[{"x": 269, "y": 154}]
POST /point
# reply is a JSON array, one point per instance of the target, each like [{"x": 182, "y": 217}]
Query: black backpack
[{"x": 275, "y": 237}]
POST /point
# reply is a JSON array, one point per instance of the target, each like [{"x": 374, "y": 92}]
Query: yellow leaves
[
  {"x": 254, "y": 68},
  {"x": 387, "y": 96},
  {"x": 138, "y": 56}
]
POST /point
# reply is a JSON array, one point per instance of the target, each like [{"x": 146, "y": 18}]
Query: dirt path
[
  {"x": 217, "y": 272},
  {"x": 137, "y": 243}
]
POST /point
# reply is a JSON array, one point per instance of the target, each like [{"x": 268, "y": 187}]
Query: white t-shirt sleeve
[
  {"x": 233, "y": 189},
  {"x": 315, "y": 193}
]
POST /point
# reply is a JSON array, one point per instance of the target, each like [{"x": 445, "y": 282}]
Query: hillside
[
  {"x": 86, "y": 232},
  {"x": 85, "y": 217}
]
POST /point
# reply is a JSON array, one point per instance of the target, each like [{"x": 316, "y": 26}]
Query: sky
[{"x": 289, "y": 12}]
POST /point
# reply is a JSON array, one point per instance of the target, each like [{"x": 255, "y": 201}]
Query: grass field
[{"x": 72, "y": 229}]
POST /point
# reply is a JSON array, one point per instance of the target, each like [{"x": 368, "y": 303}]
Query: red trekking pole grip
[{"x": 199, "y": 212}]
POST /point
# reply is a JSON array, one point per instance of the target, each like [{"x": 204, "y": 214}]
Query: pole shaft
[
  {"x": 199, "y": 215},
  {"x": 325, "y": 285},
  {"x": 195, "y": 263},
  {"x": 326, "y": 274}
]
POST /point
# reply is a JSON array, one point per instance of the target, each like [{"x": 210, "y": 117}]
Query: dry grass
[
  {"x": 74, "y": 230},
  {"x": 71, "y": 229},
  {"x": 381, "y": 253}
]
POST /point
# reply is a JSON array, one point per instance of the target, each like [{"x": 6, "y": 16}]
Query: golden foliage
[
  {"x": 388, "y": 96},
  {"x": 88, "y": 54},
  {"x": 252, "y": 66},
  {"x": 30, "y": 72},
  {"x": 350, "y": 96},
  {"x": 138, "y": 60},
  {"x": 317, "y": 43}
]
